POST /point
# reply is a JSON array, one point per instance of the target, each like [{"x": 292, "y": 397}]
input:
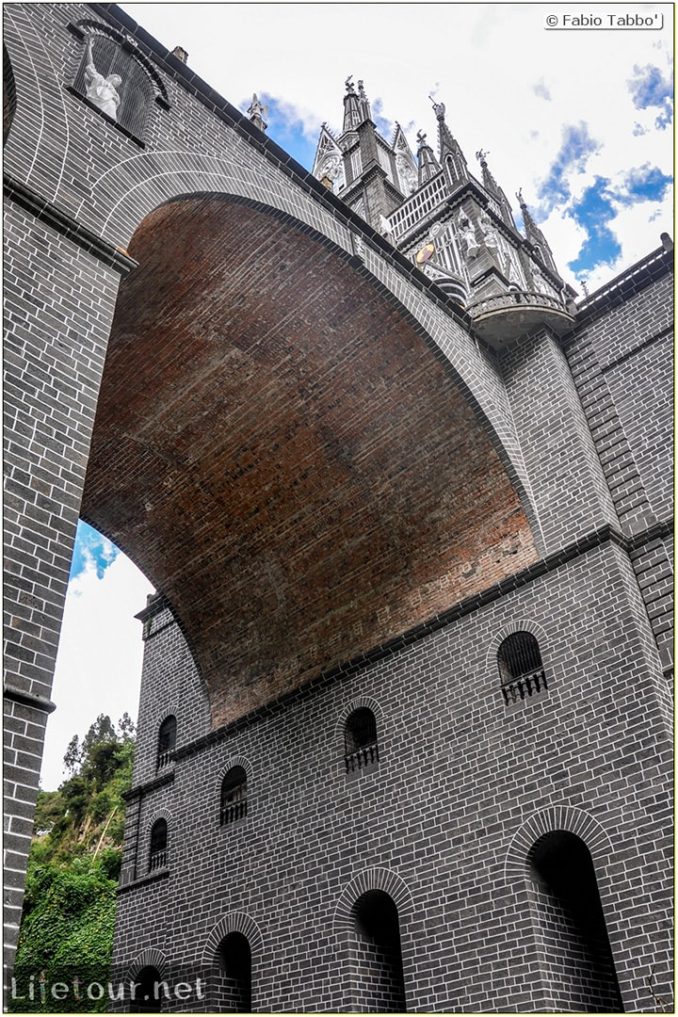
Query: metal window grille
[
  {"x": 520, "y": 667},
  {"x": 157, "y": 858},
  {"x": 361, "y": 748},
  {"x": 233, "y": 796},
  {"x": 167, "y": 739},
  {"x": 136, "y": 90}
]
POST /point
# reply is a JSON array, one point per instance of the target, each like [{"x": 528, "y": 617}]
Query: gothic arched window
[
  {"x": 233, "y": 796},
  {"x": 167, "y": 740},
  {"x": 116, "y": 79},
  {"x": 157, "y": 856},
  {"x": 361, "y": 748},
  {"x": 520, "y": 667}
]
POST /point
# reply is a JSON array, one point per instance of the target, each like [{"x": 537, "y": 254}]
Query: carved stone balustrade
[{"x": 505, "y": 316}]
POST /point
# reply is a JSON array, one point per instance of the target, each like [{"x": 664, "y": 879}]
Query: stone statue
[
  {"x": 490, "y": 235},
  {"x": 406, "y": 174},
  {"x": 100, "y": 90},
  {"x": 468, "y": 235}
]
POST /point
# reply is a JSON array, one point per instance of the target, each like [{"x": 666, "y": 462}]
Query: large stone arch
[
  {"x": 126, "y": 192},
  {"x": 242, "y": 314}
]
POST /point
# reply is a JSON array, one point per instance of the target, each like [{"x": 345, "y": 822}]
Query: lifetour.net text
[{"x": 39, "y": 989}]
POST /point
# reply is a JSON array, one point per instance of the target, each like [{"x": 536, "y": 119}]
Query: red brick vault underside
[{"x": 284, "y": 456}]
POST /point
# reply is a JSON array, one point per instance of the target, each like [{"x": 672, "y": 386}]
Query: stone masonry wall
[
  {"x": 59, "y": 303},
  {"x": 459, "y": 776}
]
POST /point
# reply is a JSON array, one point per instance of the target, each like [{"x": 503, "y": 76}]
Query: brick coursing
[
  {"x": 466, "y": 784},
  {"x": 459, "y": 775}
]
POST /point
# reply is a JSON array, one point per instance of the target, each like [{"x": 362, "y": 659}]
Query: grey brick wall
[
  {"x": 464, "y": 785},
  {"x": 460, "y": 775}
]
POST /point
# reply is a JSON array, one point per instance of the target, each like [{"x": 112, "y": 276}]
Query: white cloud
[
  {"x": 99, "y": 660},
  {"x": 482, "y": 60}
]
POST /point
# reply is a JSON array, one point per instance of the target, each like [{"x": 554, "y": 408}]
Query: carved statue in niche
[
  {"x": 331, "y": 167},
  {"x": 406, "y": 174},
  {"x": 100, "y": 90},
  {"x": 489, "y": 231},
  {"x": 468, "y": 234}
]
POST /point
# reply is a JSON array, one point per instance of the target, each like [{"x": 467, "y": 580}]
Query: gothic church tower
[{"x": 458, "y": 229}]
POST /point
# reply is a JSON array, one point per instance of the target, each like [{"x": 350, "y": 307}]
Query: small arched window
[
  {"x": 233, "y": 796},
  {"x": 147, "y": 992},
  {"x": 521, "y": 670},
  {"x": 361, "y": 749},
  {"x": 157, "y": 857},
  {"x": 113, "y": 78},
  {"x": 167, "y": 740}
]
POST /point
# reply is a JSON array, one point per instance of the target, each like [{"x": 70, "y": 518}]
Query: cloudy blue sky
[{"x": 582, "y": 121}]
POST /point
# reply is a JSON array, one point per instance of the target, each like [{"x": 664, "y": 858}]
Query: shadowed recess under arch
[{"x": 284, "y": 455}]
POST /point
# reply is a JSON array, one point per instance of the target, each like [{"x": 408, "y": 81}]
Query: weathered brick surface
[{"x": 304, "y": 431}]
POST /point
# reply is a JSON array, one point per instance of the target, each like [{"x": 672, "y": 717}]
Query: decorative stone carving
[
  {"x": 467, "y": 235},
  {"x": 101, "y": 91},
  {"x": 406, "y": 174},
  {"x": 490, "y": 235}
]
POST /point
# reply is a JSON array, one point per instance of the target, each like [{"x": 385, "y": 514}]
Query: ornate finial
[
  {"x": 519, "y": 196},
  {"x": 438, "y": 108},
  {"x": 584, "y": 287},
  {"x": 361, "y": 89},
  {"x": 256, "y": 113},
  {"x": 421, "y": 138},
  {"x": 481, "y": 156},
  {"x": 350, "y": 89}
]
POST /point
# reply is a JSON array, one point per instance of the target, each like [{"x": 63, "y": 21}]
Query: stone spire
[
  {"x": 449, "y": 152},
  {"x": 493, "y": 188},
  {"x": 364, "y": 101},
  {"x": 256, "y": 113},
  {"x": 427, "y": 163},
  {"x": 535, "y": 236},
  {"x": 353, "y": 113}
]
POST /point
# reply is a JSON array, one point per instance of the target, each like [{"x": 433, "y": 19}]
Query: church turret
[
  {"x": 353, "y": 107},
  {"x": 449, "y": 151},
  {"x": 363, "y": 102},
  {"x": 427, "y": 163},
  {"x": 493, "y": 188},
  {"x": 536, "y": 237}
]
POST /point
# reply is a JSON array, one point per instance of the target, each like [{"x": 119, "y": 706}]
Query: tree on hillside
[{"x": 73, "y": 867}]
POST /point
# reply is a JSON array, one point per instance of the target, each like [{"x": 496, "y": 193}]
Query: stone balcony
[{"x": 504, "y": 316}]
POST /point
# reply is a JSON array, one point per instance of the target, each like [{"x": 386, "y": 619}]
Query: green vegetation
[{"x": 73, "y": 868}]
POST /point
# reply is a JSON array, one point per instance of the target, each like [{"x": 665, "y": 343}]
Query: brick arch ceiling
[{"x": 284, "y": 456}]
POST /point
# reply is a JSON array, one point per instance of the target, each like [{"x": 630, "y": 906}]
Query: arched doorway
[
  {"x": 232, "y": 985},
  {"x": 147, "y": 992},
  {"x": 575, "y": 955},
  {"x": 376, "y": 956}
]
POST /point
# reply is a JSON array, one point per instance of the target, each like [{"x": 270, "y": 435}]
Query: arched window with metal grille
[
  {"x": 521, "y": 669},
  {"x": 167, "y": 740},
  {"x": 233, "y": 796},
  {"x": 361, "y": 747},
  {"x": 157, "y": 856}
]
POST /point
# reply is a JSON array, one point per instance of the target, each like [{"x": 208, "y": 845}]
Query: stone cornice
[
  {"x": 67, "y": 226},
  {"x": 29, "y": 699}
]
